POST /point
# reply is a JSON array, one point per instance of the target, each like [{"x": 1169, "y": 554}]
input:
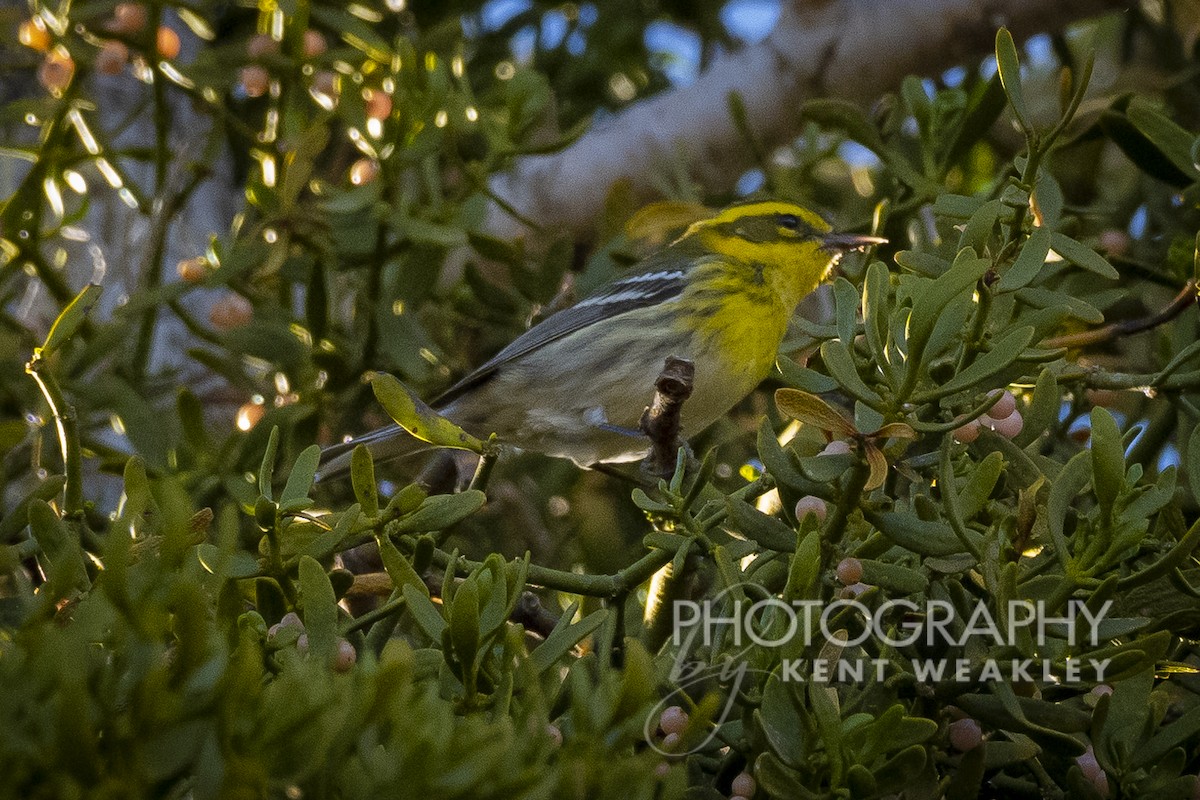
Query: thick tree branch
[{"x": 853, "y": 49}]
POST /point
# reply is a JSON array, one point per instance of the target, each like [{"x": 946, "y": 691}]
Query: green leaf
[
  {"x": 1028, "y": 263},
  {"x": 893, "y": 577},
  {"x": 565, "y": 636},
  {"x": 840, "y": 364},
  {"x": 424, "y": 611},
  {"x": 979, "y": 227},
  {"x": 70, "y": 320},
  {"x": 962, "y": 277},
  {"x": 766, "y": 530},
  {"x": 421, "y": 421},
  {"x": 440, "y": 511},
  {"x": 1193, "y": 463},
  {"x": 62, "y": 559},
  {"x": 924, "y": 538},
  {"x": 267, "y": 469},
  {"x": 1108, "y": 459},
  {"x": 979, "y": 485},
  {"x": 1082, "y": 256},
  {"x": 464, "y": 626},
  {"x": 1009, "y": 67},
  {"x": 877, "y": 309},
  {"x": 846, "y": 304},
  {"x": 398, "y": 569},
  {"x": 1172, "y": 140},
  {"x": 320, "y": 610},
  {"x": 804, "y": 378},
  {"x": 362, "y": 477},
  {"x": 1000, "y": 357},
  {"x": 295, "y": 492}
]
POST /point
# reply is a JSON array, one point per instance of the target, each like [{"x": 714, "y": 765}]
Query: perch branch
[{"x": 660, "y": 421}]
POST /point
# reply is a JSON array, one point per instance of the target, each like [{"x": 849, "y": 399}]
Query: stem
[
  {"x": 606, "y": 586},
  {"x": 68, "y": 436}
]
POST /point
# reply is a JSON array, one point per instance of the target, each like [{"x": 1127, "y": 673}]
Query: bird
[{"x": 575, "y": 385}]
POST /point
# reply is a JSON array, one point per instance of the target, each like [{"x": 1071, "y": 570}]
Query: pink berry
[
  {"x": 1100, "y": 689},
  {"x": 743, "y": 785},
  {"x": 1115, "y": 242},
  {"x": 556, "y": 737},
  {"x": 673, "y": 720},
  {"x": 849, "y": 571},
  {"x": 662, "y": 770},
  {"x": 302, "y": 644},
  {"x": 314, "y": 43},
  {"x": 853, "y": 590},
  {"x": 1003, "y": 407},
  {"x": 1008, "y": 427},
  {"x": 670, "y": 741},
  {"x": 968, "y": 432},
  {"x": 810, "y": 504},
  {"x": 837, "y": 447},
  {"x": 346, "y": 656},
  {"x": 965, "y": 734}
]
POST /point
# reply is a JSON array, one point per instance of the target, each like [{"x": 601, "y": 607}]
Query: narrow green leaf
[
  {"x": 1028, "y": 263},
  {"x": 320, "y": 609},
  {"x": 804, "y": 378},
  {"x": 877, "y": 309},
  {"x": 266, "y": 470},
  {"x": 999, "y": 358},
  {"x": 424, "y": 612},
  {"x": 846, "y": 304},
  {"x": 300, "y": 481},
  {"x": 412, "y": 414},
  {"x": 840, "y": 364},
  {"x": 1108, "y": 459},
  {"x": 1172, "y": 140},
  {"x": 962, "y": 277},
  {"x": 1009, "y": 67},
  {"x": 757, "y": 526},
  {"x": 1082, "y": 256},
  {"x": 565, "y": 636},
  {"x": 70, "y": 320},
  {"x": 362, "y": 477},
  {"x": 440, "y": 511},
  {"x": 464, "y": 623}
]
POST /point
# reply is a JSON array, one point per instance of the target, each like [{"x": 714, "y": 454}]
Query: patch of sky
[
  {"x": 497, "y": 12},
  {"x": 750, "y": 21},
  {"x": 679, "y": 48},
  {"x": 1139, "y": 222},
  {"x": 751, "y": 181},
  {"x": 856, "y": 155}
]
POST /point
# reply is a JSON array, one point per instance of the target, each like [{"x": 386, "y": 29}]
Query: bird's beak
[{"x": 845, "y": 242}]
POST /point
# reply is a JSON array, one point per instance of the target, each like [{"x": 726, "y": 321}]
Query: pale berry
[
  {"x": 743, "y": 785},
  {"x": 673, "y": 720},
  {"x": 1003, "y": 407},
  {"x": 968, "y": 432},
  {"x": 314, "y": 44},
  {"x": 810, "y": 504},
  {"x": 965, "y": 734},
  {"x": 837, "y": 447},
  {"x": 849, "y": 571}
]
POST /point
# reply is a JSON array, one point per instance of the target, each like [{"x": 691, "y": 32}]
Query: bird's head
[{"x": 791, "y": 247}]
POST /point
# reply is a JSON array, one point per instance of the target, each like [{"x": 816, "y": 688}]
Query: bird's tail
[{"x": 385, "y": 444}]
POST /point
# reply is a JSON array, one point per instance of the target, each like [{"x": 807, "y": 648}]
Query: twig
[
  {"x": 660, "y": 421},
  {"x": 1127, "y": 327}
]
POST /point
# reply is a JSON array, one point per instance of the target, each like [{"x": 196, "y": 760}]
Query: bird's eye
[{"x": 789, "y": 221}]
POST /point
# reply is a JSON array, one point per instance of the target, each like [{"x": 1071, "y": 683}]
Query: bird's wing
[{"x": 657, "y": 280}]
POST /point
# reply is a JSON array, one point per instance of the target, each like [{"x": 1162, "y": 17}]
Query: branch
[
  {"x": 853, "y": 49},
  {"x": 660, "y": 421}
]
